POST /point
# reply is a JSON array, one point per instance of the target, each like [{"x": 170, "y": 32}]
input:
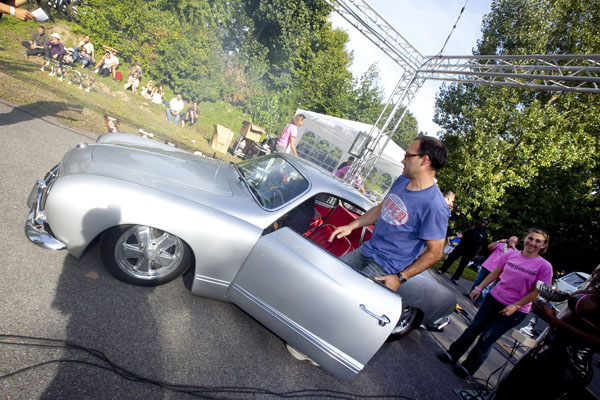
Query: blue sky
[{"x": 425, "y": 24}]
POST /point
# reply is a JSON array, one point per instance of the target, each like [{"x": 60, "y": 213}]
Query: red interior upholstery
[
  {"x": 337, "y": 247},
  {"x": 340, "y": 217},
  {"x": 322, "y": 210}
]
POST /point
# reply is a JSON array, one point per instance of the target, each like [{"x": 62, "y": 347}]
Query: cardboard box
[
  {"x": 221, "y": 138},
  {"x": 251, "y": 131}
]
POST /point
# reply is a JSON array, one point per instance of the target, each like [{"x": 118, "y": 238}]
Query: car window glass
[
  {"x": 574, "y": 280},
  {"x": 272, "y": 180}
]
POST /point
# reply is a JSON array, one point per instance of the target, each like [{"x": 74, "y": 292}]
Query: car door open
[{"x": 316, "y": 303}]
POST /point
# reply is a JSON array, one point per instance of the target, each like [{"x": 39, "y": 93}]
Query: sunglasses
[{"x": 409, "y": 155}]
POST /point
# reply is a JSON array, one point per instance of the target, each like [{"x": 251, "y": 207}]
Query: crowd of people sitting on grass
[{"x": 81, "y": 63}]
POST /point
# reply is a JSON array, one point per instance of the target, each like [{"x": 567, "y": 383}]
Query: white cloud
[{"x": 426, "y": 25}]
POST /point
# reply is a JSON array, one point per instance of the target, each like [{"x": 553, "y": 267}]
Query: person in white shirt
[
  {"x": 175, "y": 108},
  {"x": 111, "y": 63}
]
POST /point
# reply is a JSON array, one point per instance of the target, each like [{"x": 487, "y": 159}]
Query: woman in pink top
[
  {"x": 287, "y": 139},
  {"x": 508, "y": 303}
]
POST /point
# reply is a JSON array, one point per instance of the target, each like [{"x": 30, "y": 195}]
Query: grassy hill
[{"x": 22, "y": 83}]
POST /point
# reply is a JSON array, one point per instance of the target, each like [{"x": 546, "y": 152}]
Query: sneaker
[
  {"x": 25, "y": 54},
  {"x": 439, "y": 272},
  {"x": 299, "y": 356},
  {"x": 462, "y": 372},
  {"x": 445, "y": 357},
  {"x": 455, "y": 281}
]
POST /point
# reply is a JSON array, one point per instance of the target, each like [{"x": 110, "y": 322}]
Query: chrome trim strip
[
  {"x": 341, "y": 357},
  {"x": 214, "y": 281}
]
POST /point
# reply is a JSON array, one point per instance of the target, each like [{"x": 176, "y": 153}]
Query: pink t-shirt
[
  {"x": 491, "y": 262},
  {"x": 519, "y": 276},
  {"x": 341, "y": 173},
  {"x": 290, "y": 130}
]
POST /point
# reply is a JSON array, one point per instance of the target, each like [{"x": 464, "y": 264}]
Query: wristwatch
[{"x": 401, "y": 278}]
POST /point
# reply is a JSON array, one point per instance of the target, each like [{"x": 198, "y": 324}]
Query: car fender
[
  {"x": 424, "y": 292},
  {"x": 81, "y": 207}
]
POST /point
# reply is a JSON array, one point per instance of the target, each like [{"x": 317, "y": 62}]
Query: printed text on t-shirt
[
  {"x": 394, "y": 210},
  {"x": 519, "y": 268}
]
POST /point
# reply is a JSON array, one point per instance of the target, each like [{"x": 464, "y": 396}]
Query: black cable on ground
[
  {"x": 485, "y": 386},
  {"x": 205, "y": 392}
]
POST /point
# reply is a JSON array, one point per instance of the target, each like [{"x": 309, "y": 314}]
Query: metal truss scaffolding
[{"x": 558, "y": 72}]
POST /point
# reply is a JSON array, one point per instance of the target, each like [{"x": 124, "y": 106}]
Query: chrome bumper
[
  {"x": 36, "y": 228},
  {"x": 438, "y": 325}
]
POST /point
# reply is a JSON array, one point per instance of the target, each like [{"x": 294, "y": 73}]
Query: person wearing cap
[
  {"x": 100, "y": 63},
  {"x": 110, "y": 64},
  {"x": 36, "y": 43},
  {"x": 54, "y": 50},
  {"x": 134, "y": 78}
]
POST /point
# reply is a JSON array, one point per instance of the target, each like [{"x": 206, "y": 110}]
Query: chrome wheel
[
  {"x": 409, "y": 320},
  {"x": 143, "y": 255}
]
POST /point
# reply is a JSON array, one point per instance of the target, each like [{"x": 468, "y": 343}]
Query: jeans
[
  {"x": 172, "y": 117},
  {"x": 489, "y": 325},
  {"x": 84, "y": 60},
  {"x": 481, "y": 275},
  {"x": 365, "y": 265}
]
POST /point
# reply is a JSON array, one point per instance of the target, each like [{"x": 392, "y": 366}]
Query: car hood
[
  {"x": 176, "y": 172},
  {"x": 158, "y": 168}
]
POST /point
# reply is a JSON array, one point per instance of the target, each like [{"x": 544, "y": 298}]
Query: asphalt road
[{"x": 162, "y": 334}]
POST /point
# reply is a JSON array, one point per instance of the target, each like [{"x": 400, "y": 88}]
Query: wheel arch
[{"x": 425, "y": 293}]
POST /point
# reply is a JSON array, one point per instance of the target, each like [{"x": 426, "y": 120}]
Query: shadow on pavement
[
  {"x": 38, "y": 109},
  {"x": 106, "y": 315}
]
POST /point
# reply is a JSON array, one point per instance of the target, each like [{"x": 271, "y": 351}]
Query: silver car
[{"x": 253, "y": 233}]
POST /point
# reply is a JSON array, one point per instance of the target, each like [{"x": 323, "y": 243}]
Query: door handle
[{"x": 383, "y": 319}]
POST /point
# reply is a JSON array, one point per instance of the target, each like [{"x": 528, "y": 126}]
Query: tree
[
  {"x": 367, "y": 96},
  {"x": 325, "y": 83},
  {"x": 268, "y": 57},
  {"x": 522, "y": 156}
]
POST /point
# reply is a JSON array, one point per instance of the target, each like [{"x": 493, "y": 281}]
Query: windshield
[{"x": 272, "y": 180}]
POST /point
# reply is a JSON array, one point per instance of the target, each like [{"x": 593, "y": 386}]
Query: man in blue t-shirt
[
  {"x": 410, "y": 222},
  {"x": 412, "y": 217}
]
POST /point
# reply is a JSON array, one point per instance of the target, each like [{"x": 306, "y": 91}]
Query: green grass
[
  {"x": 468, "y": 273},
  {"x": 23, "y": 84}
]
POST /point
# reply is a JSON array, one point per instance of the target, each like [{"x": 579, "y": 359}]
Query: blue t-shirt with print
[{"x": 408, "y": 218}]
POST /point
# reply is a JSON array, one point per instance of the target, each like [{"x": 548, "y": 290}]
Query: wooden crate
[
  {"x": 221, "y": 138},
  {"x": 251, "y": 131}
]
